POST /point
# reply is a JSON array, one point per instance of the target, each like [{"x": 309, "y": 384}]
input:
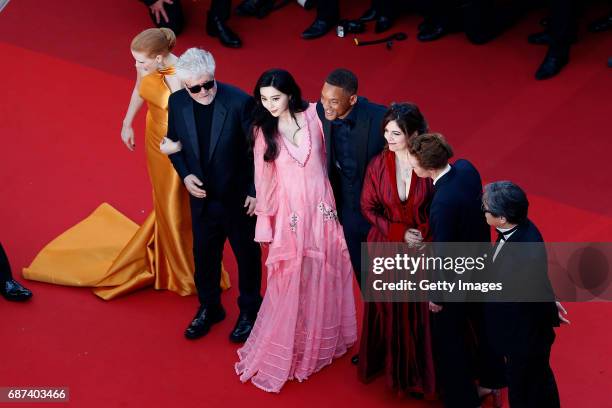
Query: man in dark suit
[
  {"x": 456, "y": 217},
  {"x": 521, "y": 331},
  {"x": 212, "y": 120},
  {"x": 353, "y": 135},
  {"x": 169, "y": 13},
  {"x": 10, "y": 288}
]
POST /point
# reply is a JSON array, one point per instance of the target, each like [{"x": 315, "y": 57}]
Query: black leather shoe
[
  {"x": 601, "y": 24},
  {"x": 243, "y": 328},
  {"x": 317, "y": 29},
  {"x": 551, "y": 66},
  {"x": 12, "y": 290},
  {"x": 203, "y": 321},
  {"x": 217, "y": 28},
  {"x": 432, "y": 32},
  {"x": 355, "y": 359},
  {"x": 369, "y": 15},
  {"x": 383, "y": 24}
]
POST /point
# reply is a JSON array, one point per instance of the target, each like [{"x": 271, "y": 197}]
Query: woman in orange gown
[{"x": 107, "y": 250}]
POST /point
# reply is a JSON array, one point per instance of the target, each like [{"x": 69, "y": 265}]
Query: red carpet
[{"x": 68, "y": 75}]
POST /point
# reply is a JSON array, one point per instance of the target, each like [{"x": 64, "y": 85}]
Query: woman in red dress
[{"x": 396, "y": 337}]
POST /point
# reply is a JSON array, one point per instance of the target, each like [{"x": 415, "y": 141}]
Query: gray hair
[
  {"x": 194, "y": 63},
  {"x": 506, "y": 199}
]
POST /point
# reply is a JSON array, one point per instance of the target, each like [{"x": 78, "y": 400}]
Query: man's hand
[
  {"x": 157, "y": 9},
  {"x": 434, "y": 308},
  {"x": 194, "y": 185},
  {"x": 249, "y": 204}
]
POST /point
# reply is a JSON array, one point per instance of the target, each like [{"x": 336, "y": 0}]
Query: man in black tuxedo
[
  {"x": 456, "y": 216},
  {"x": 169, "y": 13},
  {"x": 212, "y": 120},
  {"x": 10, "y": 288},
  {"x": 521, "y": 331},
  {"x": 352, "y": 126}
]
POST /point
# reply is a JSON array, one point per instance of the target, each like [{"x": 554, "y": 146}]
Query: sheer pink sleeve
[{"x": 266, "y": 191}]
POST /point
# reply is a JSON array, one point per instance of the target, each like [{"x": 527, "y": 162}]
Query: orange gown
[{"x": 111, "y": 253}]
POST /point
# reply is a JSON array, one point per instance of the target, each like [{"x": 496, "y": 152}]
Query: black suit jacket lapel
[
  {"x": 216, "y": 128},
  {"x": 189, "y": 117}
]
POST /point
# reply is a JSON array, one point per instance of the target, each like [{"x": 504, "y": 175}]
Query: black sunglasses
[{"x": 208, "y": 85}]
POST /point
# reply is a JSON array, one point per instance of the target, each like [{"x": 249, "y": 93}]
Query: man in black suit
[
  {"x": 456, "y": 216},
  {"x": 521, "y": 331},
  {"x": 352, "y": 126},
  {"x": 169, "y": 13},
  {"x": 10, "y": 288},
  {"x": 212, "y": 120}
]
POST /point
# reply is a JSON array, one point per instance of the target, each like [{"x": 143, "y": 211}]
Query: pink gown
[{"x": 307, "y": 317}]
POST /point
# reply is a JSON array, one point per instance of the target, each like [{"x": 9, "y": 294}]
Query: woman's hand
[
  {"x": 413, "y": 237},
  {"x": 562, "y": 313},
  {"x": 127, "y": 136},
  {"x": 168, "y": 146}
]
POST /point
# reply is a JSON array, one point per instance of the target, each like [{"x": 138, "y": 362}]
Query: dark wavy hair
[
  {"x": 262, "y": 119},
  {"x": 408, "y": 118}
]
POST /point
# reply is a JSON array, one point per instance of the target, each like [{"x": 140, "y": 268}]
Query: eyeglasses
[{"x": 208, "y": 85}]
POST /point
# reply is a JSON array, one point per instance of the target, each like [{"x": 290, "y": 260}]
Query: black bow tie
[{"x": 502, "y": 235}]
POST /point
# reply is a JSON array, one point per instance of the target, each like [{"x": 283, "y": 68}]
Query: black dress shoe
[
  {"x": 317, "y": 29},
  {"x": 355, "y": 359},
  {"x": 383, "y": 24},
  {"x": 243, "y": 328},
  {"x": 551, "y": 66},
  {"x": 12, "y": 290},
  {"x": 215, "y": 27},
  {"x": 432, "y": 32},
  {"x": 369, "y": 15},
  {"x": 601, "y": 24},
  {"x": 203, "y": 321}
]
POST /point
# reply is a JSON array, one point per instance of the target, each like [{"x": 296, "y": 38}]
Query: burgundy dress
[{"x": 396, "y": 337}]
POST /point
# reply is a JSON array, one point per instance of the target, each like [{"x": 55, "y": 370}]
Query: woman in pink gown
[{"x": 308, "y": 313}]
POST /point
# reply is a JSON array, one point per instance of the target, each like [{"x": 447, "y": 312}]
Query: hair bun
[{"x": 170, "y": 37}]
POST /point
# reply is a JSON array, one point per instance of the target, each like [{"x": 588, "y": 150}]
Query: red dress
[{"x": 396, "y": 337}]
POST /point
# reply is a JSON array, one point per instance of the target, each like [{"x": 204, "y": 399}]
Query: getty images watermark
[{"x": 473, "y": 272}]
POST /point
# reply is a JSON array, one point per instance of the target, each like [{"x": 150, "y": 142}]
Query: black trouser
[
  {"x": 531, "y": 382},
  {"x": 211, "y": 227},
  {"x": 458, "y": 364},
  {"x": 5, "y": 267},
  {"x": 356, "y": 230},
  {"x": 384, "y": 7},
  {"x": 176, "y": 19},
  {"x": 483, "y": 20},
  {"x": 328, "y": 10},
  {"x": 221, "y": 9},
  {"x": 562, "y": 26}
]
